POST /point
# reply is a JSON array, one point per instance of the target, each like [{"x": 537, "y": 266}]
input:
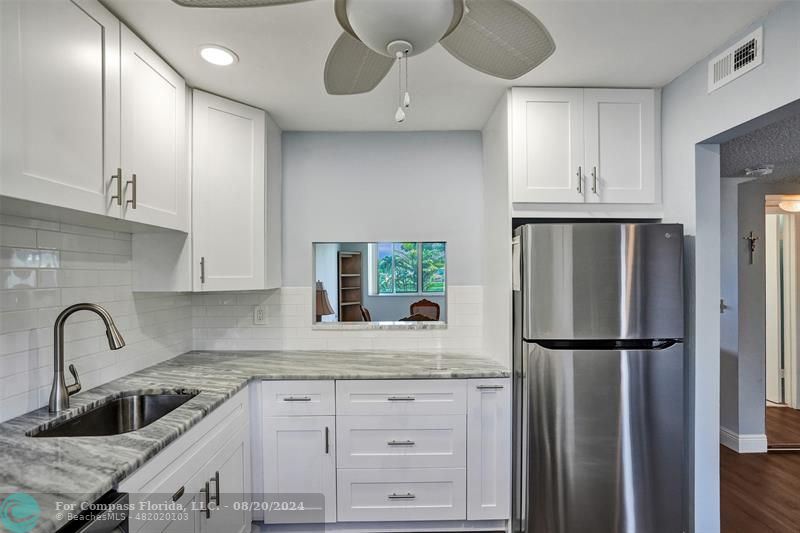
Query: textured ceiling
[{"x": 777, "y": 144}]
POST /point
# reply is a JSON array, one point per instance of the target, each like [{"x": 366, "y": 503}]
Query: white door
[
  {"x": 60, "y": 113},
  {"x": 229, "y": 484},
  {"x": 547, "y": 146},
  {"x": 774, "y": 325},
  {"x": 489, "y": 449},
  {"x": 300, "y": 458},
  {"x": 620, "y": 137},
  {"x": 228, "y": 205},
  {"x": 153, "y": 143},
  {"x": 192, "y": 500}
]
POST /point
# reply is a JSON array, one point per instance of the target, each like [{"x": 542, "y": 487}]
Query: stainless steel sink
[{"x": 129, "y": 412}]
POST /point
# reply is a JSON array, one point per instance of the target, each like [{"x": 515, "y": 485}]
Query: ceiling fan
[{"x": 497, "y": 37}]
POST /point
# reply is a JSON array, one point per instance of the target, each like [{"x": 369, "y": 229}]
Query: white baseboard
[{"x": 752, "y": 443}]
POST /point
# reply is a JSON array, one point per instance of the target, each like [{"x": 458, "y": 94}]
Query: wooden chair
[
  {"x": 365, "y": 314},
  {"x": 427, "y": 308}
]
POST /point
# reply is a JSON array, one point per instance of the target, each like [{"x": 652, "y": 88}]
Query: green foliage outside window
[{"x": 402, "y": 264}]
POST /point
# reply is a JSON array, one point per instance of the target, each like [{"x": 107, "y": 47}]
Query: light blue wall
[
  {"x": 370, "y": 187},
  {"x": 691, "y": 196}
]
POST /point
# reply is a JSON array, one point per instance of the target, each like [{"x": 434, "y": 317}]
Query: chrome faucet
[{"x": 60, "y": 393}]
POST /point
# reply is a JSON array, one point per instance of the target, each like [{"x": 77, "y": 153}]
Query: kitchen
[{"x": 208, "y": 273}]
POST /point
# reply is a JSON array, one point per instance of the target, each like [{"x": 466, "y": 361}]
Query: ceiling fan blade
[
  {"x": 352, "y": 68},
  {"x": 500, "y": 38},
  {"x": 234, "y": 3}
]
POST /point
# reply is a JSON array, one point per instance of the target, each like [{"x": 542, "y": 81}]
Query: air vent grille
[{"x": 736, "y": 61}]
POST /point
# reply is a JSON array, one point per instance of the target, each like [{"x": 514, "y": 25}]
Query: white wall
[
  {"x": 369, "y": 187},
  {"x": 224, "y": 321},
  {"x": 729, "y": 291},
  {"x": 690, "y": 115},
  {"x": 46, "y": 266},
  {"x": 496, "y": 235},
  {"x": 365, "y": 187}
]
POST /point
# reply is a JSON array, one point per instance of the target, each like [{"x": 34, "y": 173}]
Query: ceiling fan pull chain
[
  {"x": 400, "y": 115},
  {"x": 406, "y": 97}
]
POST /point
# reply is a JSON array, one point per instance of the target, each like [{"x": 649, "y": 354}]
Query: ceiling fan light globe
[{"x": 422, "y": 23}]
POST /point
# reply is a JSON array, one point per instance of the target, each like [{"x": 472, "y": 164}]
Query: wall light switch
[{"x": 259, "y": 315}]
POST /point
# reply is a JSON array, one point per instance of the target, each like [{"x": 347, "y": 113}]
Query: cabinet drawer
[
  {"x": 287, "y": 398},
  {"x": 406, "y": 494},
  {"x": 401, "y": 441},
  {"x": 401, "y": 397}
]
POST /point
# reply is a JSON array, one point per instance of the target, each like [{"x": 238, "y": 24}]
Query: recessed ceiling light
[{"x": 218, "y": 55}]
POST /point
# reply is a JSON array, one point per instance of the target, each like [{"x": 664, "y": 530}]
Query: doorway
[{"x": 780, "y": 254}]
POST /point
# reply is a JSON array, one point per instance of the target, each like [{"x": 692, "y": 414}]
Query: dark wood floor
[
  {"x": 783, "y": 426},
  {"x": 760, "y": 492}
]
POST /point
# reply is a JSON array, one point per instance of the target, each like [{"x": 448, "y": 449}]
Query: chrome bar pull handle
[
  {"x": 207, "y": 508},
  {"x": 327, "y": 441},
  {"x": 489, "y": 387},
  {"x": 215, "y": 481},
  {"x": 401, "y": 443},
  {"x": 297, "y": 399},
  {"x": 202, "y": 270},
  {"x": 580, "y": 180},
  {"x": 118, "y": 177},
  {"x": 132, "y": 183},
  {"x": 401, "y": 398},
  {"x": 178, "y": 494},
  {"x": 594, "y": 180},
  {"x": 406, "y": 496}
]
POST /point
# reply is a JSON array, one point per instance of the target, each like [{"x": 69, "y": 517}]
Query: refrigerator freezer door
[
  {"x": 602, "y": 281},
  {"x": 605, "y": 439}
]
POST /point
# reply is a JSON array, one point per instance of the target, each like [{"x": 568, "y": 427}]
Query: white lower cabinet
[
  {"x": 401, "y": 494},
  {"x": 488, "y": 449},
  {"x": 300, "y": 458},
  {"x": 401, "y": 441},
  {"x": 203, "y": 471},
  {"x": 229, "y": 485},
  {"x": 414, "y": 472}
]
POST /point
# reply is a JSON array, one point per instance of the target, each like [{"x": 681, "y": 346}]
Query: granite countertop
[{"x": 81, "y": 469}]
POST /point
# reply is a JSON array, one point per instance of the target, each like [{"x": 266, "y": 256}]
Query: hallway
[
  {"x": 759, "y": 492},
  {"x": 783, "y": 427}
]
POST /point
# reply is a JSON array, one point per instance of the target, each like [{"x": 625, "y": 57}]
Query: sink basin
[{"x": 129, "y": 412}]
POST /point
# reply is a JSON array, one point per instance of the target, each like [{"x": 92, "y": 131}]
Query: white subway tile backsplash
[
  {"x": 45, "y": 266},
  {"x": 225, "y": 322}
]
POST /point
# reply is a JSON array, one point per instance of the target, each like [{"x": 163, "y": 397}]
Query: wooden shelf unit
[{"x": 350, "y": 287}]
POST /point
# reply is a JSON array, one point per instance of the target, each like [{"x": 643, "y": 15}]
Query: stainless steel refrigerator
[{"x": 598, "y": 378}]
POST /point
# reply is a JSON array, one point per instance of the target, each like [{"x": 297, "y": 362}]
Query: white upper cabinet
[
  {"x": 228, "y": 206},
  {"x": 620, "y": 140},
  {"x": 60, "y": 104},
  {"x": 84, "y": 98},
  {"x": 576, "y": 146},
  {"x": 153, "y": 139},
  {"x": 547, "y": 145}
]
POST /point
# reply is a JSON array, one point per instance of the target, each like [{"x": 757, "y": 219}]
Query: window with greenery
[{"x": 411, "y": 268}]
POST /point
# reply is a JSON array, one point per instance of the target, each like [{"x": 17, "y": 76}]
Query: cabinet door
[
  {"x": 60, "y": 103},
  {"x": 547, "y": 145},
  {"x": 620, "y": 137},
  {"x": 153, "y": 139},
  {"x": 299, "y": 458},
  {"x": 489, "y": 449},
  {"x": 228, "y": 194},
  {"x": 229, "y": 485}
]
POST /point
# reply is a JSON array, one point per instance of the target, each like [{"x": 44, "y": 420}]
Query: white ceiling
[{"x": 600, "y": 43}]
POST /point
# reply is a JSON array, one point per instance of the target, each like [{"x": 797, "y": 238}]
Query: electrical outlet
[{"x": 259, "y": 315}]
